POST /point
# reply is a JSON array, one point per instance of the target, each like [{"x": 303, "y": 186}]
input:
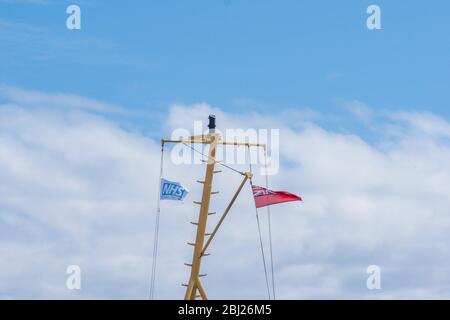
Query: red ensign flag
[{"x": 265, "y": 197}]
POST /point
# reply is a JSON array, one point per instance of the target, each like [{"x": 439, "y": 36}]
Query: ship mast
[{"x": 194, "y": 286}]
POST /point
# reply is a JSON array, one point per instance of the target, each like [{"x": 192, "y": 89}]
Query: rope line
[
  {"x": 270, "y": 226},
  {"x": 156, "y": 239},
  {"x": 259, "y": 231},
  {"x": 215, "y": 161}
]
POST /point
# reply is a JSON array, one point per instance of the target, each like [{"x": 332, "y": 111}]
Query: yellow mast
[{"x": 213, "y": 139}]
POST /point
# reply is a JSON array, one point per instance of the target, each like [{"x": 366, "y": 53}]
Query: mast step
[
  {"x": 184, "y": 284},
  {"x": 214, "y": 192},
  {"x": 207, "y": 234},
  {"x": 191, "y": 244},
  {"x": 197, "y": 202},
  {"x": 194, "y": 223},
  {"x": 202, "y": 275},
  {"x": 188, "y": 264},
  {"x": 203, "y": 182},
  {"x": 210, "y": 213},
  {"x": 205, "y": 254},
  {"x": 215, "y": 161},
  {"x": 217, "y": 171}
]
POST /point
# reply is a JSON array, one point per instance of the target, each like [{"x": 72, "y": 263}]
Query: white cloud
[
  {"x": 362, "y": 111},
  {"x": 77, "y": 189},
  {"x": 425, "y": 123},
  {"x": 30, "y": 98}
]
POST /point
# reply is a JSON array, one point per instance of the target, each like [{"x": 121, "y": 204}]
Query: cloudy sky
[{"x": 364, "y": 139}]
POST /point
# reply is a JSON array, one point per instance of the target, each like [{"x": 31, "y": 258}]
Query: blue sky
[
  {"x": 365, "y": 140},
  {"x": 233, "y": 54}
]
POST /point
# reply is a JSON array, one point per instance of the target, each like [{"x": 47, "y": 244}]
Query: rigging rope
[
  {"x": 259, "y": 230},
  {"x": 156, "y": 239},
  {"x": 215, "y": 161},
  {"x": 269, "y": 225}
]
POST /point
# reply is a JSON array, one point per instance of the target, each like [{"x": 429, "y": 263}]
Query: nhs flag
[{"x": 172, "y": 190}]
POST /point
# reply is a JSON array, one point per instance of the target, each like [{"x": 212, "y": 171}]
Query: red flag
[{"x": 265, "y": 197}]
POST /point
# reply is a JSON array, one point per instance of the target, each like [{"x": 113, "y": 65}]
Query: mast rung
[
  {"x": 197, "y": 202},
  {"x": 199, "y": 138},
  {"x": 188, "y": 264},
  {"x": 202, "y": 275},
  {"x": 203, "y": 182},
  {"x": 214, "y": 192},
  {"x": 215, "y": 161},
  {"x": 194, "y": 223},
  {"x": 210, "y": 213},
  {"x": 191, "y": 244}
]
